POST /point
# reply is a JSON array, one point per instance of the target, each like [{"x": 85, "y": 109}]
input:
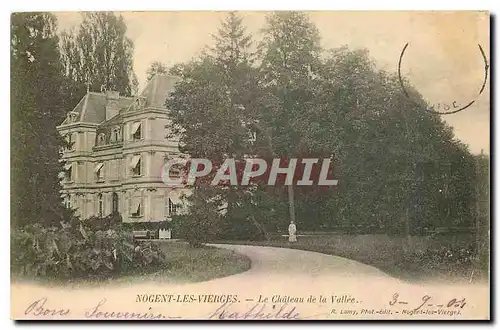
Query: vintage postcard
[{"x": 320, "y": 165}]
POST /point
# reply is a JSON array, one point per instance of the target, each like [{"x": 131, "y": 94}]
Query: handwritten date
[{"x": 426, "y": 301}]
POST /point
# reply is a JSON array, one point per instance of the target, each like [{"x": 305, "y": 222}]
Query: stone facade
[{"x": 119, "y": 146}]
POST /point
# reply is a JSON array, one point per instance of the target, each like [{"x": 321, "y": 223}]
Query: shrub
[
  {"x": 196, "y": 228},
  {"x": 446, "y": 259},
  {"x": 201, "y": 222},
  {"x": 77, "y": 251},
  {"x": 112, "y": 221}
]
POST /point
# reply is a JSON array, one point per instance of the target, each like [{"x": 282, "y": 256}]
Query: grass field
[
  {"x": 184, "y": 264},
  {"x": 418, "y": 261}
]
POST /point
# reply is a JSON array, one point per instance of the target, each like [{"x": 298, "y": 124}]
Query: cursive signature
[
  {"x": 259, "y": 311},
  {"x": 38, "y": 308}
]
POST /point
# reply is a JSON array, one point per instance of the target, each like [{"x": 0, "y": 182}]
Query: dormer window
[
  {"x": 101, "y": 139},
  {"x": 72, "y": 117},
  {"x": 115, "y": 134},
  {"x": 139, "y": 103}
]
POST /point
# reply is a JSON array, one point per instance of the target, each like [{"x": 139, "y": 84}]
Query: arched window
[
  {"x": 101, "y": 204},
  {"x": 115, "y": 202},
  {"x": 115, "y": 135}
]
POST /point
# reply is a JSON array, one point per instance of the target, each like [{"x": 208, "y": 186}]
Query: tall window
[
  {"x": 68, "y": 202},
  {"x": 115, "y": 202},
  {"x": 70, "y": 140},
  {"x": 138, "y": 211},
  {"x": 136, "y": 131},
  {"x": 172, "y": 207},
  {"x": 101, "y": 204},
  {"x": 99, "y": 172},
  {"x": 68, "y": 172},
  {"x": 136, "y": 165},
  {"x": 136, "y": 207}
]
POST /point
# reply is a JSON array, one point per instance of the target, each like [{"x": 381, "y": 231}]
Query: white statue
[{"x": 292, "y": 231}]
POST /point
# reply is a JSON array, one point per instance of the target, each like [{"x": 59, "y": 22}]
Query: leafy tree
[
  {"x": 400, "y": 169},
  {"x": 213, "y": 107},
  {"x": 383, "y": 142},
  {"x": 37, "y": 106},
  {"x": 202, "y": 222},
  {"x": 98, "y": 55},
  {"x": 482, "y": 208},
  {"x": 290, "y": 56},
  {"x": 156, "y": 68}
]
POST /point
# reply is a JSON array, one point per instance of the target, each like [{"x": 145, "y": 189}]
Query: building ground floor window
[
  {"x": 115, "y": 208},
  {"x": 101, "y": 205}
]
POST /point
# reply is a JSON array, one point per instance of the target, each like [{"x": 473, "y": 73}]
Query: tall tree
[
  {"x": 213, "y": 108},
  {"x": 37, "y": 107},
  {"x": 98, "y": 55},
  {"x": 156, "y": 68},
  {"x": 290, "y": 55}
]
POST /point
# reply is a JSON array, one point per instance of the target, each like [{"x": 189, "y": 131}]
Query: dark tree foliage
[
  {"x": 400, "y": 169},
  {"x": 213, "y": 111},
  {"x": 37, "y": 106}
]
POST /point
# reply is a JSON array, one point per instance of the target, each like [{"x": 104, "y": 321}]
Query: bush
[
  {"x": 77, "y": 251},
  {"x": 201, "y": 222},
  {"x": 112, "y": 221},
  {"x": 196, "y": 228},
  {"x": 444, "y": 259}
]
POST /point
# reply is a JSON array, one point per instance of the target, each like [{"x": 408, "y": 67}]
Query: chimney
[{"x": 112, "y": 108}]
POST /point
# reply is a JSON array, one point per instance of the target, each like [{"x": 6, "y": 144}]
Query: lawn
[
  {"x": 184, "y": 264},
  {"x": 424, "y": 259}
]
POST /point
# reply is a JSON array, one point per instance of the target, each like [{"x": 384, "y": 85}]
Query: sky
[{"x": 442, "y": 58}]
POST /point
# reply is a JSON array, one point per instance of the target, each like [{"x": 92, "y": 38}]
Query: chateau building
[{"x": 118, "y": 148}]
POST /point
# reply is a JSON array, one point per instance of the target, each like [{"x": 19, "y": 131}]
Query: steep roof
[
  {"x": 78, "y": 109},
  {"x": 92, "y": 107},
  {"x": 158, "y": 89}
]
